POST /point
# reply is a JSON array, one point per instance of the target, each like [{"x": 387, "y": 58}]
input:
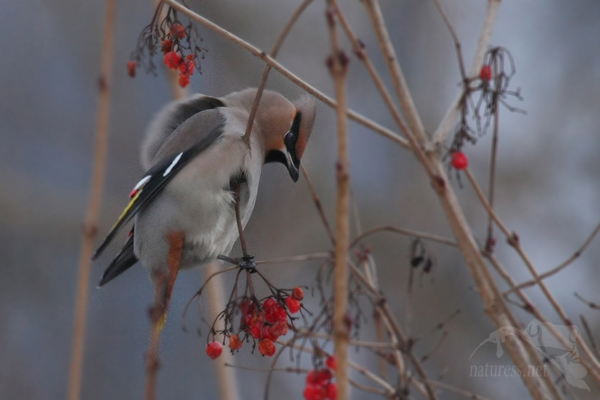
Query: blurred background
[{"x": 547, "y": 186}]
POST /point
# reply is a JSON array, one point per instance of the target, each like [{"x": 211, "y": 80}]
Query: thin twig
[
  {"x": 447, "y": 124},
  {"x": 288, "y": 74},
  {"x": 238, "y": 219},
  {"x": 514, "y": 241},
  {"x": 389, "y": 389},
  {"x": 362, "y": 55},
  {"x": 265, "y": 74},
  {"x": 416, "y": 135},
  {"x": 566, "y": 263},
  {"x": 588, "y": 331},
  {"x": 457, "y": 44},
  {"x": 299, "y": 258},
  {"x": 338, "y": 66},
  {"x": 456, "y": 390},
  {"x": 489, "y": 241},
  {"x": 229, "y": 388},
  {"x": 590, "y": 304},
  {"x": 417, "y": 131},
  {"x": 318, "y": 204},
  {"x": 351, "y": 342},
  {"x": 530, "y": 307},
  {"x": 403, "y": 231},
  {"x": 93, "y": 210}
]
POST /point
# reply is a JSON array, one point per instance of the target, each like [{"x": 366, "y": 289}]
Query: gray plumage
[{"x": 194, "y": 150}]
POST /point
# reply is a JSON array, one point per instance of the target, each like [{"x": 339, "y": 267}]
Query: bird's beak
[{"x": 293, "y": 165}]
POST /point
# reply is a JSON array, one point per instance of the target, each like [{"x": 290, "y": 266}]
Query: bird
[{"x": 199, "y": 169}]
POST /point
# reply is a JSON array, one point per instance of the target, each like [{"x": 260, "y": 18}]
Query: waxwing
[{"x": 194, "y": 151}]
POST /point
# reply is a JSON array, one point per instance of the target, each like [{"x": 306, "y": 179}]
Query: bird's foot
[{"x": 246, "y": 262}]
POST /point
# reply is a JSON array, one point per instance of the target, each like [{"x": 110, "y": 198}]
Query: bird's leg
[
  {"x": 247, "y": 260},
  {"x": 163, "y": 289}
]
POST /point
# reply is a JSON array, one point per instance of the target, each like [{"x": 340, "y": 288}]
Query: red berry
[
  {"x": 269, "y": 303},
  {"x": 189, "y": 57},
  {"x": 486, "y": 73},
  {"x": 177, "y": 30},
  {"x": 184, "y": 80},
  {"x": 172, "y": 60},
  {"x": 331, "y": 362},
  {"x": 266, "y": 347},
  {"x": 256, "y": 330},
  {"x": 459, "y": 160},
  {"x": 314, "y": 392},
  {"x": 131, "y": 66},
  {"x": 186, "y": 68},
  {"x": 167, "y": 46},
  {"x": 234, "y": 342},
  {"x": 319, "y": 377},
  {"x": 298, "y": 293},
  {"x": 214, "y": 349},
  {"x": 280, "y": 328},
  {"x": 276, "y": 313},
  {"x": 292, "y": 304},
  {"x": 331, "y": 391},
  {"x": 247, "y": 306},
  {"x": 267, "y": 333}
]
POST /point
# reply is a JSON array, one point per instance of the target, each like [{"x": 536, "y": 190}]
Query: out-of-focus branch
[
  {"x": 226, "y": 377},
  {"x": 362, "y": 55},
  {"x": 513, "y": 240},
  {"x": 553, "y": 271},
  {"x": 416, "y": 135},
  {"x": 318, "y": 204},
  {"x": 265, "y": 74},
  {"x": 462, "y": 392},
  {"x": 288, "y": 74},
  {"x": 529, "y": 306},
  {"x": 338, "y": 66},
  {"x": 402, "y": 231},
  {"x": 91, "y": 219},
  {"x": 447, "y": 124},
  {"x": 391, "y": 59},
  {"x": 307, "y": 257}
]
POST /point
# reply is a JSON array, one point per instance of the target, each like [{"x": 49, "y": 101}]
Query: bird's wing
[
  {"x": 122, "y": 262},
  {"x": 166, "y": 124},
  {"x": 156, "y": 179}
]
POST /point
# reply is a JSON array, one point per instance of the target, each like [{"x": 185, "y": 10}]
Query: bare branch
[
  {"x": 456, "y": 390},
  {"x": 285, "y": 72},
  {"x": 403, "y": 231},
  {"x": 447, "y": 124},
  {"x": 318, "y": 204},
  {"x": 338, "y": 66},
  {"x": 566, "y": 263},
  {"x": 265, "y": 74},
  {"x": 93, "y": 210}
]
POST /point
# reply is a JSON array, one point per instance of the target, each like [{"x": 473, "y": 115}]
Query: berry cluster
[
  {"x": 179, "y": 43},
  {"x": 174, "y": 60},
  {"x": 319, "y": 385},
  {"x": 264, "y": 323}
]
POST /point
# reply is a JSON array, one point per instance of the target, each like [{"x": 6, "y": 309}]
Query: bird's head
[{"x": 283, "y": 127}]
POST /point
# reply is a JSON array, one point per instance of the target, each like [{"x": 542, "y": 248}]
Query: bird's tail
[{"x": 121, "y": 263}]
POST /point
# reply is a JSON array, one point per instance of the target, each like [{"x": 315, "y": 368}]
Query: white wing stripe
[
  {"x": 168, "y": 170},
  {"x": 142, "y": 182}
]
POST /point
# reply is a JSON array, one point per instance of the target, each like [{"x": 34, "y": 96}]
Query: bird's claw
[{"x": 246, "y": 262}]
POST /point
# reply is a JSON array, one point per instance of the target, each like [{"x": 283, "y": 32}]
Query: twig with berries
[
  {"x": 180, "y": 45},
  {"x": 262, "y": 321}
]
